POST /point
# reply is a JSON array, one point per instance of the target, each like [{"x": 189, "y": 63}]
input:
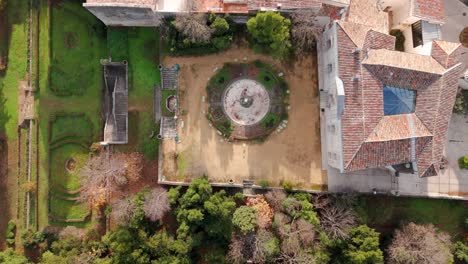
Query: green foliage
[
  {"x": 222, "y": 38},
  {"x": 220, "y": 25},
  {"x": 287, "y": 185},
  {"x": 78, "y": 38},
  {"x": 10, "y": 233},
  {"x": 270, "y": 121},
  {"x": 199, "y": 209},
  {"x": 463, "y": 162},
  {"x": 117, "y": 43},
  {"x": 264, "y": 183},
  {"x": 270, "y": 33},
  {"x": 239, "y": 197},
  {"x": 3, "y": 5},
  {"x": 31, "y": 239},
  {"x": 245, "y": 219},
  {"x": 10, "y": 257},
  {"x": 76, "y": 126},
  {"x": 67, "y": 247},
  {"x": 400, "y": 39},
  {"x": 460, "y": 251},
  {"x": 363, "y": 246},
  {"x": 164, "y": 95},
  {"x": 461, "y": 102}
]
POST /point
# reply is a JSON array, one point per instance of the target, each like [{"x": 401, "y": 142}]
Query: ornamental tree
[
  {"x": 363, "y": 246},
  {"x": 420, "y": 244},
  {"x": 245, "y": 219},
  {"x": 270, "y": 33}
]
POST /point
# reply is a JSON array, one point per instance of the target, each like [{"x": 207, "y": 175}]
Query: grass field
[
  {"x": 16, "y": 43},
  {"x": 142, "y": 57},
  {"x": 387, "y": 213},
  {"x": 78, "y": 39},
  {"x": 59, "y": 156},
  {"x": 164, "y": 95}
]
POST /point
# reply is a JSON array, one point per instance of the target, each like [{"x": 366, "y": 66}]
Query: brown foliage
[
  {"x": 71, "y": 231},
  {"x": 260, "y": 254},
  {"x": 305, "y": 30},
  {"x": 275, "y": 199},
  {"x": 193, "y": 26},
  {"x": 122, "y": 211},
  {"x": 420, "y": 244},
  {"x": 108, "y": 172},
  {"x": 236, "y": 248},
  {"x": 337, "y": 221},
  {"x": 263, "y": 210},
  {"x": 156, "y": 204}
]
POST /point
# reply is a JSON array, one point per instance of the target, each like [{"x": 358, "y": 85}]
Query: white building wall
[{"x": 332, "y": 87}]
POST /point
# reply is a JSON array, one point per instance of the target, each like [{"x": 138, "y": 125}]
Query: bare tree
[
  {"x": 337, "y": 221},
  {"x": 305, "y": 230},
  {"x": 71, "y": 231},
  {"x": 193, "y": 26},
  {"x": 264, "y": 249},
  {"x": 236, "y": 248},
  {"x": 107, "y": 172},
  {"x": 122, "y": 210},
  {"x": 275, "y": 199},
  {"x": 420, "y": 244},
  {"x": 305, "y": 31},
  {"x": 156, "y": 204}
]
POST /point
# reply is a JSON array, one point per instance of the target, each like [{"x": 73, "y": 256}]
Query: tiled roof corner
[
  {"x": 431, "y": 10},
  {"x": 447, "y": 47},
  {"x": 404, "y": 60}
]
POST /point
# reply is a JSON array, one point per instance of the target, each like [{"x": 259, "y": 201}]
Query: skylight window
[{"x": 398, "y": 101}]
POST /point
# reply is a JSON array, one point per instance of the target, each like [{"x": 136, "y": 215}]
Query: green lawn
[
  {"x": 164, "y": 95},
  {"x": 76, "y": 126},
  {"x": 386, "y": 213},
  {"x": 59, "y": 156},
  {"x": 77, "y": 41},
  {"x": 143, "y": 56},
  {"x": 11, "y": 197}
]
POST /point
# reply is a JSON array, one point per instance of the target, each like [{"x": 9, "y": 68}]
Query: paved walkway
[{"x": 455, "y": 21}]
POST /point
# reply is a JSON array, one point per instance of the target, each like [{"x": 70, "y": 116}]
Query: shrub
[
  {"x": 219, "y": 25},
  {"x": 270, "y": 121},
  {"x": 201, "y": 36},
  {"x": 239, "y": 197},
  {"x": 460, "y": 251},
  {"x": 270, "y": 33},
  {"x": 10, "y": 233},
  {"x": 3, "y": 4},
  {"x": 400, "y": 39},
  {"x": 287, "y": 185},
  {"x": 463, "y": 162},
  {"x": 245, "y": 219},
  {"x": 459, "y": 106},
  {"x": 31, "y": 239},
  {"x": 263, "y": 183}
]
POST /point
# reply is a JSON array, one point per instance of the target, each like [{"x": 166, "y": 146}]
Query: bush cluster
[
  {"x": 463, "y": 162},
  {"x": 10, "y": 234},
  {"x": 222, "y": 29}
]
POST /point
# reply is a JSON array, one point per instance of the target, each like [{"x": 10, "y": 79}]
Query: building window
[
  {"x": 398, "y": 101},
  {"x": 416, "y": 31},
  {"x": 330, "y": 68},
  {"x": 329, "y": 43}
]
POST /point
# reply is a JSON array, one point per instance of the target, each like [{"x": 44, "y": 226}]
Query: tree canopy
[
  {"x": 363, "y": 246},
  {"x": 270, "y": 33}
]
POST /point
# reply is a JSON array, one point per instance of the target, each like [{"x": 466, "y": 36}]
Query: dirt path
[{"x": 292, "y": 155}]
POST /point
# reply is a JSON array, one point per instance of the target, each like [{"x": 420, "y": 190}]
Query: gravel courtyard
[{"x": 292, "y": 155}]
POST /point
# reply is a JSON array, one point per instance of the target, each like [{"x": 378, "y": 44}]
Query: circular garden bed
[{"x": 246, "y": 101}]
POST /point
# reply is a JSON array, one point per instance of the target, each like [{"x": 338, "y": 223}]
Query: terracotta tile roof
[
  {"x": 371, "y": 139},
  {"x": 139, "y": 2},
  {"x": 448, "y": 47},
  {"x": 357, "y": 33},
  {"x": 285, "y": 4},
  {"x": 365, "y": 12},
  {"x": 431, "y": 10},
  {"x": 396, "y": 127},
  {"x": 404, "y": 60}
]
